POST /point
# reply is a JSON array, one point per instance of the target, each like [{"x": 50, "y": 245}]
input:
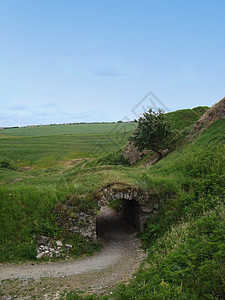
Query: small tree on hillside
[{"x": 153, "y": 132}]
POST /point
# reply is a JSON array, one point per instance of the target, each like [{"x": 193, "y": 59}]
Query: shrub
[
  {"x": 153, "y": 132},
  {"x": 6, "y": 163}
]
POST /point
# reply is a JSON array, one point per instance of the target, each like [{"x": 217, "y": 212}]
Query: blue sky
[{"x": 72, "y": 61}]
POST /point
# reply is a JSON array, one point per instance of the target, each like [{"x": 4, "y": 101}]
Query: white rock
[
  {"x": 40, "y": 255},
  {"x": 57, "y": 253},
  {"x": 59, "y": 244},
  {"x": 126, "y": 196},
  {"x": 68, "y": 247}
]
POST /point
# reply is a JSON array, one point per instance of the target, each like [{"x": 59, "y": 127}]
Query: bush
[
  {"x": 6, "y": 163},
  {"x": 153, "y": 132}
]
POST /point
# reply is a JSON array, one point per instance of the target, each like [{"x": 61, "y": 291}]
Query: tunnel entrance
[
  {"x": 114, "y": 225},
  {"x": 137, "y": 207},
  {"x": 131, "y": 212}
]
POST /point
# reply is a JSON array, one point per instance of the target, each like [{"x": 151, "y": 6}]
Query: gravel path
[{"x": 118, "y": 260}]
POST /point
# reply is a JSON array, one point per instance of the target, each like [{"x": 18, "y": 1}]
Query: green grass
[
  {"x": 185, "y": 263},
  {"x": 199, "y": 158},
  {"x": 186, "y": 117},
  {"x": 28, "y": 212},
  {"x": 47, "y": 151},
  {"x": 47, "y": 146},
  {"x": 185, "y": 241},
  {"x": 77, "y": 129},
  {"x": 181, "y": 118}
]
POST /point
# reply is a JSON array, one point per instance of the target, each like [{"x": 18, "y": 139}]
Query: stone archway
[{"x": 137, "y": 207}]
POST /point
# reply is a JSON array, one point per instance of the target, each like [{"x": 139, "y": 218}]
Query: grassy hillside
[
  {"x": 185, "y": 241},
  {"x": 186, "y": 117},
  {"x": 50, "y": 145},
  {"x": 47, "y": 151},
  {"x": 24, "y": 189},
  {"x": 47, "y": 146},
  {"x": 69, "y": 129}
]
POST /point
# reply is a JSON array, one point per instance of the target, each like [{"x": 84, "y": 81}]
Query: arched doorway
[{"x": 112, "y": 224}]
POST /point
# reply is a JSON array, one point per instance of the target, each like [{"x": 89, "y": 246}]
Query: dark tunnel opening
[
  {"x": 115, "y": 225},
  {"x": 131, "y": 212}
]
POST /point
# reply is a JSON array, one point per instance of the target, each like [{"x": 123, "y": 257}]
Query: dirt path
[{"x": 118, "y": 260}]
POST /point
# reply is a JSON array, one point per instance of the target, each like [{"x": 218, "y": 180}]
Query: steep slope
[
  {"x": 216, "y": 112},
  {"x": 185, "y": 241},
  {"x": 180, "y": 120},
  {"x": 185, "y": 117}
]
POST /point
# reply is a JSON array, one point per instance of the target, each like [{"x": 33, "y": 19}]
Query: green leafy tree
[{"x": 153, "y": 132}]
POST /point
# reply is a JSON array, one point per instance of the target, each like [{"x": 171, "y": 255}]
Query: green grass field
[
  {"x": 76, "y": 129},
  {"x": 50, "y": 145},
  {"x": 46, "y": 146},
  {"x": 185, "y": 241},
  {"x": 51, "y": 150}
]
